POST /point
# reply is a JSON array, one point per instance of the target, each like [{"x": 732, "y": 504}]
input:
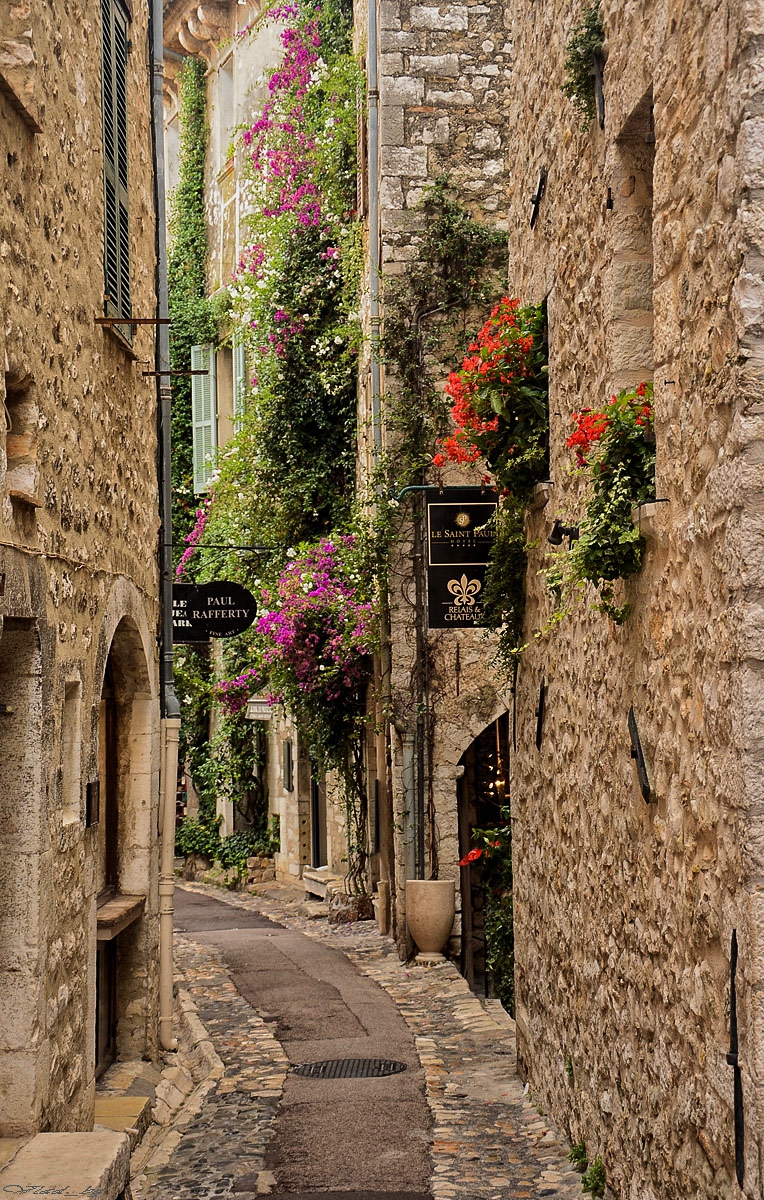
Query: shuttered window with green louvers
[
  {"x": 239, "y": 382},
  {"x": 204, "y": 416},
  {"x": 114, "y": 23}
]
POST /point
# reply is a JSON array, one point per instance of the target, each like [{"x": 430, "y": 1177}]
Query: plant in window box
[{"x": 616, "y": 448}]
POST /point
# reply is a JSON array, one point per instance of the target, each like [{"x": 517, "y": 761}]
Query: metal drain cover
[{"x": 350, "y": 1068}]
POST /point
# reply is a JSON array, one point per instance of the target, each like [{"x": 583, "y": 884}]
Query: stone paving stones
[{"x": 489, "y": 1142}]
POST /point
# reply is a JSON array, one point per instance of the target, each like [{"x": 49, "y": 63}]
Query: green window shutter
[
  {"x": 239, "y": 381},
  {"x": 114, "y": 25},
  {"x": 204, "y": 415}
]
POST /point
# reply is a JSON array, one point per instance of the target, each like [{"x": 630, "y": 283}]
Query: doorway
[
  {"x": 487, "y": 957},
  {"x": 318, "y": 846}
]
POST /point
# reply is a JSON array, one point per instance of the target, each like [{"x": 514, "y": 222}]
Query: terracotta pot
[{"x": 430, "y": 908}]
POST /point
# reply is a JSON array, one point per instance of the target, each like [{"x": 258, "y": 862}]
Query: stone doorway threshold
[
  {"x": 125, "y": 1096},
  {"x": 49, "y": 1164}
]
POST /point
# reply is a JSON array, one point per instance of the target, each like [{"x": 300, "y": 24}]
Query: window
[
  {"x": 203, "y": 415},
  {"x": 239, "y": 381},
  {"x": 71, "y": 752},
  {"x": 114, "y": 89}
]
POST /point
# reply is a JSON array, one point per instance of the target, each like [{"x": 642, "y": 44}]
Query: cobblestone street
[{"x": 488, "y": 1140}]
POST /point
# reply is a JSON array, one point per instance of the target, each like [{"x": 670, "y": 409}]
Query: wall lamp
[{"x": 560, "y": 531}]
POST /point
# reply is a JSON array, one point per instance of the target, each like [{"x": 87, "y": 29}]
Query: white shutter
[
  {"x": 203, "y": 415},
  {"x": 239, "y": 381}
]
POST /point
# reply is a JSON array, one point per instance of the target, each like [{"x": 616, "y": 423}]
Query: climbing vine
[
  {"x": 584, "y": 48},
  {"x": 191, "y": 313},
  {"x": 286, "y": 480}
]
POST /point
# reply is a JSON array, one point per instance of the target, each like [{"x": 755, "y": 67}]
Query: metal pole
[{"x": 169, "y": 707}]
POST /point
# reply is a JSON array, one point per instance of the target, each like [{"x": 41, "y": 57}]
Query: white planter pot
[{"x": 430, "y": 908}]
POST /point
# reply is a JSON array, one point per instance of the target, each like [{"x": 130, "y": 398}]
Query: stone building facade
[
  {"x": 648, "y": 250},
  {"x": 79, "y": 716},
  {"x": 310, "y": 826},
  {"x": 445, "y": 78}
]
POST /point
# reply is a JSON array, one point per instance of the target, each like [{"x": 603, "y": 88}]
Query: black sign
[
  {"x": 183, "y": 629},
  {"x": 206, "y": 610},
  {"x": 459, "y": 538}
]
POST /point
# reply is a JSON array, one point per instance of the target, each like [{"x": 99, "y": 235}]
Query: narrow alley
[{"x": 274, "y": 990}]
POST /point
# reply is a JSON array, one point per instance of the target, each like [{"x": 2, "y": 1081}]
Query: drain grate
[{"x": 350, "y": 1068}]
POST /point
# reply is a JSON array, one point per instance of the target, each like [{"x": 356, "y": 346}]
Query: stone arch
[{"x": 125, "y": 755}]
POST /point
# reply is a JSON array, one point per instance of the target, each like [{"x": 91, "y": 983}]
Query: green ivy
[
  {"x": 498, "y": 913},
  {"x": 584, "y": 47},
  {"x": 191, "y": 312},
  {"x": 429, "y": 313}
]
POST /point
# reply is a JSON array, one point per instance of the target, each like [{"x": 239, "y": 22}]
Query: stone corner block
[{"x": 93, "y": 1164}]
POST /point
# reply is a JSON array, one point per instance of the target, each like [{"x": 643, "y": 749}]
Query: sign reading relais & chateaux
[
  {"x": 459, "y": 539},
  {"x": 210, "y": 610}
]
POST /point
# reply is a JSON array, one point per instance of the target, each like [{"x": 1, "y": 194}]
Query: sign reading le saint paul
[
  {"x": 459, "y": 538},
  {"x": 211, "y": 610}
]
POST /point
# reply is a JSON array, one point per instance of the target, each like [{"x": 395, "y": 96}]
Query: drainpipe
[
  {"x": 170, "y": 709},
  {"x": 373, "y": 91}
]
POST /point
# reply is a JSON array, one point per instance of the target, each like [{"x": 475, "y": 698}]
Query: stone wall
[
  {"x": 444, "y": 87},
  {"x": 78, "y": 511},
  {"x": 625, "y": 910}
]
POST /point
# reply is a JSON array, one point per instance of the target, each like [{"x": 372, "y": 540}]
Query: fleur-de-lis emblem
[{"x": 464, "y": 590}]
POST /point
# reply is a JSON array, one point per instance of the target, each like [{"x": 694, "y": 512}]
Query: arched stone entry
[
  {"x": 482, "y": 793},
  {"x": 125, "y": 858}
]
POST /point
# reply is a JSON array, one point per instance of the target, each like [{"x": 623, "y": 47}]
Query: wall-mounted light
[{"x": 560, "y": 531}]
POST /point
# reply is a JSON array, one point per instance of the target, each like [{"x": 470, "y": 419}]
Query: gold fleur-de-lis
[{"x": 464, "y": 590}]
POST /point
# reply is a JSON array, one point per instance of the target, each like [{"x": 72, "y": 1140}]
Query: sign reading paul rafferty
[
  {"x": 212, "y": 610},
  {"x": 459, "y": 540}
]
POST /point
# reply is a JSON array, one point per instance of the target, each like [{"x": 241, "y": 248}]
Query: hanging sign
[
  {"x": 459, "y": 540},
  {"x": 223, "y": 609},
  {"x": 184, "y": 630},
  {"x": 259, "y": 708},
  {"x": 211, "y": 610}
]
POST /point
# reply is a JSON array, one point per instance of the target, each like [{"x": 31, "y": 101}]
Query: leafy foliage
[
  {"x": 493, "y": 849},
  {"x": 191, "y": 314},
  {"x": 427, "y": 312},
  {"x": 617, "y": 449},
  {"x": 585, "y": 44},
  {"x": 594, "y": 1180},
  {"x": 578, "y": 1156},
  {"x": 500, "y": 397}
]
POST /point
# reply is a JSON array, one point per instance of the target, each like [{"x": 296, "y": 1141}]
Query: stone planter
[{"x": 430, "y": 908}]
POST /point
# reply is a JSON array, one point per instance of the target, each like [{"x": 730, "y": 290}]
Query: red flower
[
  {"x": 438, "y": 460},
  {"x": 472, "y": 857}
]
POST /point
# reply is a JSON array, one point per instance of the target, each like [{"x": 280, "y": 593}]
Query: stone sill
[
  {"x": 116, "y": 914},
  {"x": 650, "y": 519},
  {"x": 542, "y": 494}
]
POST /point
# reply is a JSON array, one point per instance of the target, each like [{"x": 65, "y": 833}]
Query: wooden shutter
[
  {"x": 114, "y": 94},
  {"x": 203, "y": 415},
  {"x": 239, "y": 382}
]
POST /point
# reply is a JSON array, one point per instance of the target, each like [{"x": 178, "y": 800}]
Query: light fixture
[{"x": 560, "y": 531}]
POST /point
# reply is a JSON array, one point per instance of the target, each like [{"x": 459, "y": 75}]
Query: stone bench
[
  {"x": 70, "y": 1164},
  {"x": 318, "y": 881}
]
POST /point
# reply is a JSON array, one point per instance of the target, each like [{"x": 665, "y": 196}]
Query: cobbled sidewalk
[{"x": 489, "y": 1141}]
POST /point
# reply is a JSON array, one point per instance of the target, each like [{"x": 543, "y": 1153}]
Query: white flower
[{"x": 291, "y": 553}]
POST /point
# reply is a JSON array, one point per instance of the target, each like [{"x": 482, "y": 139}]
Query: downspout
[
  {"x": 170, "y": 709},
  {"x": 374, "y": 233}
]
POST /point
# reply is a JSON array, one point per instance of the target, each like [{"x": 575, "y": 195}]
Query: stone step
[
  {"x": 124, "y": 1114},
  {"x": 84, "y": 1164}
]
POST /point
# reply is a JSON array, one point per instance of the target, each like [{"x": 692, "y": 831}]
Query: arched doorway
[
  {"x": 125, "y": 847},
  {"x": 487, "y": 957}
]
